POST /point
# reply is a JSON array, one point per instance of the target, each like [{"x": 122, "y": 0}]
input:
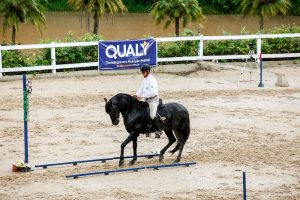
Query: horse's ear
[{"x": 105, "y": 99}]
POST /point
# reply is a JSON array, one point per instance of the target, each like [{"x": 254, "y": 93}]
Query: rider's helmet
[{"x": 145, "y": 68}]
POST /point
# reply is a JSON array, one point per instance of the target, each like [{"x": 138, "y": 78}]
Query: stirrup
[{"x": 161, "y": 118}]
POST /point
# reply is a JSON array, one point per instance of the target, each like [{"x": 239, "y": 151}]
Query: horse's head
[{"x": 112, "y": 109}]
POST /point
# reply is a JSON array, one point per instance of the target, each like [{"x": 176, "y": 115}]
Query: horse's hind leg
[
  {"x": 181, "y": 142},
  {"x": 181, "y": 145},
  {"x": 134, "y": 145},
  {"x": 182, "y": 133},
  {"x": 175, "y": 149},
  {"x": 172, "y": 139}
]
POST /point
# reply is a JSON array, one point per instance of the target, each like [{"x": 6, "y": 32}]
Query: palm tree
[
  {"x": 21, "y": 11},
  {"x": 174, "y": 10},
  {"x": 99, "y": 7},
  {"x": 263, "y": 8}
]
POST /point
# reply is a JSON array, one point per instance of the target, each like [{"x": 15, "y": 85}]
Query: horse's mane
[{"x": 124, "y": 98}]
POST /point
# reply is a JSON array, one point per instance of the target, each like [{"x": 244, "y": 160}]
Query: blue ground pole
[
  {"x": 244, "y": 185},
  {"x": 260, "y": 74},
  {"x": 25, "y": 100}
]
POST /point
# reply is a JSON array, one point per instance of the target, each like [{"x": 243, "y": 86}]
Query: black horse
[{"x": 136, "y": 120}]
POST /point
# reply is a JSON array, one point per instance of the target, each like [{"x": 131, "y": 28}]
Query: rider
[{"x": 149, "y": 91}]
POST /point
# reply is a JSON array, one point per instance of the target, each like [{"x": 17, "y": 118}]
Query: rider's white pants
[{"x": 153, "y": 103}]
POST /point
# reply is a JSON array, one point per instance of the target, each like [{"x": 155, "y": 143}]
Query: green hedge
[
  {"x": 282, "y": 45},
  {"x": 177, "y": 49},
  {"x": 231, "y": 47},
  {"x": 66, "y": 55},
  {"x": 228, "y": 47},
  {"x": 13, "y": 58},
  {"x": 165, "y": 49}
]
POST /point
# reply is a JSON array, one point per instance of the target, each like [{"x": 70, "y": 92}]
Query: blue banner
[{"x": 126, "y": 54}]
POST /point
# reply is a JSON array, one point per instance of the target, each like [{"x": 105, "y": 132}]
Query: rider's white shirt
[{"x": 148, "y": 88}]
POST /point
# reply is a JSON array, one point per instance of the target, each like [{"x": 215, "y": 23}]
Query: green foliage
[
  {"x": 67, "y": 55},
  {"x": 133, "y": 6},
  {"x": 58, "y": 5},
  {"x": 227, "y": 47},
  {"x": 99, "y": 7},
  {"x": 232, "y": 47},
  {"x": 282, "y": 45},
  {"x": 218, "y": 6},
  {"x": 137, "y": 6},
  {"x": 13, "y": 58},
  {"x": 178, "y": 49},
  {"x": 295, "y": 7},
  {"x": 15, "y": 12},
  {"x": 171, "y": 11},
  {"x": 263, "y": 8}
]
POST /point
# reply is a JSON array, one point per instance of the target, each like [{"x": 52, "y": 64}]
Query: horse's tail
[
  {"x": 185, "y": 128},
  {"x": 184, "y": 131}
]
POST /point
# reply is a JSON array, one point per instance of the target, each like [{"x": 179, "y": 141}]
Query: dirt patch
[{"x": 234, "y": 129}]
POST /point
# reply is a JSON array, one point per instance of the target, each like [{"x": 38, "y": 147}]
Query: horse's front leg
[
  {"x": 123, "y": 145},
  {"x": 134, "y": 145}
]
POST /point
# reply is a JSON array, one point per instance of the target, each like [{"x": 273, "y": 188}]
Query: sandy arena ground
[{"x": 250, "y": 129}]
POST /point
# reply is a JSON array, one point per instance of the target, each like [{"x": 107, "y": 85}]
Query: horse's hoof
[
  {"x": 121, "y": 163},
  {"x": 161, "y": 158},
  {"x": 177, "y": 161},
  {"x": 132, "y": 162}
]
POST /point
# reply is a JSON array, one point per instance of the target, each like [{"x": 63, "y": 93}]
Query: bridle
[{"x": 118, "y": 110}]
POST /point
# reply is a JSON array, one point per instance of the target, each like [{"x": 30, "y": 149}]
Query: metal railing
[{"x": 200, "y": 55}]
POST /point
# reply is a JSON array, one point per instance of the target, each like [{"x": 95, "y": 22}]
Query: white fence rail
[{"x": 200, "y": 56}]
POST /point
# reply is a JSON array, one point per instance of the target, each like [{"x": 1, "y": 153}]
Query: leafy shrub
[
  {"x": 228, "y": 47},
  {"x": 282, "y": 45},
  {"x": 178, "y": 49},
  {"x": 13, "y": 58},
  {"x": 232, "y": 47},
  {"x": 67, "y": 55}
]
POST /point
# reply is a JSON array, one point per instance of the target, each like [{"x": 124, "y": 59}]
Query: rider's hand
[{"x": 137, "y": 97}]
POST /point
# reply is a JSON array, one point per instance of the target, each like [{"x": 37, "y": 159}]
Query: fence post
[
  {"x": 259, "y": 59},
  {"x": 53, "y": 59},
  {"x": 258, "y": 46},
  {"x": 25, "y": 107},
  {"x": 244, "y": 186},
  {"x": 0, "y": 62},
  {"x": 200, "y": 47}
]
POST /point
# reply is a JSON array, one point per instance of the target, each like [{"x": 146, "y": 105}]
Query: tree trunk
[
  {"x": 177, "y": 27},
  {"x": 13, "y": 35},
  {"x": 88, "y": 21},
  {"x": 96, "y": 21},
  {"x": 261, "y": 22}
]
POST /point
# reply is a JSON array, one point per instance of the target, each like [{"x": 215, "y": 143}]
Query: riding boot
[{"x": 157, "y": 128}]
